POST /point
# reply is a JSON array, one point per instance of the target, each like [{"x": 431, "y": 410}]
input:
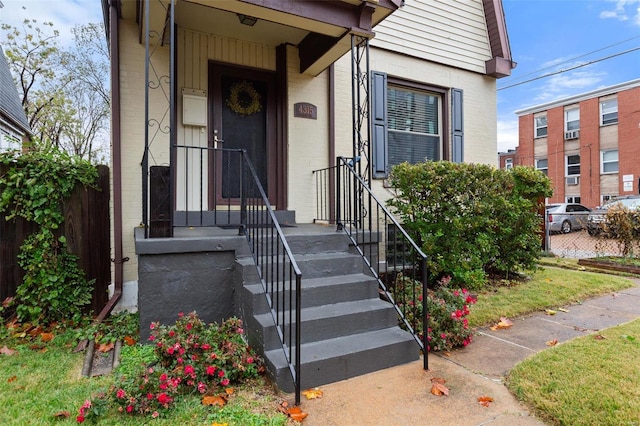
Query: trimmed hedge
[{"x": 472, "y": 220}]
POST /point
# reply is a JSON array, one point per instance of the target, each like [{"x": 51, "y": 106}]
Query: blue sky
[{"x": 546, "y": 36}]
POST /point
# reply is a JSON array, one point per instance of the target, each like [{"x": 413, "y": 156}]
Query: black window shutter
[
  {"x": 457, "y": 128},
  {"x": 379, "y": 157}
]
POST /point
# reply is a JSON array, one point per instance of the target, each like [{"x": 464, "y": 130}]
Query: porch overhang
[{"x": 321, "y": 30}]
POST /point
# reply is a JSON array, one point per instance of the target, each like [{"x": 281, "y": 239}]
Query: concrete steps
[{"x": 346, "y": 329}]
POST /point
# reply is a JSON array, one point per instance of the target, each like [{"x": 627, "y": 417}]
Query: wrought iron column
[
  {"x": 163, "y": 123},
  {"x": 360, "y": 91}
]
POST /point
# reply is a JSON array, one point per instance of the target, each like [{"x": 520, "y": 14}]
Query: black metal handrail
[
  {"x": 390, "y": 254},
  {"x": 278, "y": 271}
]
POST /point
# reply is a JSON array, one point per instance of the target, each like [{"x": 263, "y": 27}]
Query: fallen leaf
[
  {"x": 229, "y": 391},
  {"x": 219, "y": 424},
  {"x": 12, "y": 379},
  {"x": 105, "y": 347},
  {"x": 504, "y": 323},
  {"x": 599, "y": 337},
  {"x": 6, "y": 351},
  {"x": 313, "y": 393},
  {"x": 297, "y": 414},
  {"x": 485, "y": 400},
  {"x": 563, "y": 310},
  {"x": 550, "y": 312},
  {"x": 445, "y": 353},
  {"x": 219, "y": 400},
  {"x": 33, "y": 332},
  {"x": 552, "y": 342},
  {"x": 130, "y": 341},
  {"x": 62, "y": 415},
  {"x": 7, "y": 302},
  {"x": 438, "y": 388},
  {"x": 46, "y": 337}
]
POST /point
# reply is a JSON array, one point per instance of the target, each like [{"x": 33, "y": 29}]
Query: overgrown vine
[{"x": 34, "y": 185}]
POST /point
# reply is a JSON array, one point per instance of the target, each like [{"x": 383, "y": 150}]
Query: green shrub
[{"x": 471, "y": 220}]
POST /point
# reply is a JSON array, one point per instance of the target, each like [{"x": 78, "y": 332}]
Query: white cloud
[
  {"x": 623, "y": 10},
  {"x": 566, "y": 84},
  {"x": 507, "y": 134}
]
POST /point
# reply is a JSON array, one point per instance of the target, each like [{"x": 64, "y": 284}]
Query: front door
[{"x": 243, "y": 117}]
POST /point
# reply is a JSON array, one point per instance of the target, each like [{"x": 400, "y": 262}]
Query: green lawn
[
  {"x": 548, "y": 288},
  {"x": 586, "y": 381}
]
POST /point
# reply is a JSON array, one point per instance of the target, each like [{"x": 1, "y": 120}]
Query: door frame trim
[{"x": 276, "y": 128}]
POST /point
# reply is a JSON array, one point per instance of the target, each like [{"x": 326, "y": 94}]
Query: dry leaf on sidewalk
[
  {"x": 504, "y": 323},
  {"x": 552, "y": 342},
  {"x": 485, "y": 400},
  {"x": 438, "y": 388}
]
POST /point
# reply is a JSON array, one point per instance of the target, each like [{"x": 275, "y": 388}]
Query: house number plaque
[{"x": 305, "y": 110}]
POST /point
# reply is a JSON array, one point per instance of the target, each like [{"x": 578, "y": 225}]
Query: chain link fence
[{"x": 576, "y": 243}]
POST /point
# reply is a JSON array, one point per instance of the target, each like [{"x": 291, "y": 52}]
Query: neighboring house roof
[
  {"x": 604, "y": 91},
  {"x": 11, "y": 110}
]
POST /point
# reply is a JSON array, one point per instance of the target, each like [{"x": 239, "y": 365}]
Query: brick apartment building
[{"x": 588, "y": 144}]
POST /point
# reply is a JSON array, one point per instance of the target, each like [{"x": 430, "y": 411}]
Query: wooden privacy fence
[{"x": 86, "y": 228}]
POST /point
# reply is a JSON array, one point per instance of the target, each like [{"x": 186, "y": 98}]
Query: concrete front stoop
[{"x": 347, "y": 330}]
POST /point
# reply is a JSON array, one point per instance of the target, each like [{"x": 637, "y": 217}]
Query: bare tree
[{"x": 64, "y": 91}]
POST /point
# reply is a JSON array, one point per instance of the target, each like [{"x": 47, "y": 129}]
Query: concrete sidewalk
[{"x": 401, "y": 395}]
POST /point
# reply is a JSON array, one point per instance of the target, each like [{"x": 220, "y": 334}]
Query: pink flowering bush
[
  {"x": 447, "y": 311},
  {"x": 191, "y": 357}
]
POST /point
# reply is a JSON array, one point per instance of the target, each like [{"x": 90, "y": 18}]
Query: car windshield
[{"x": 629, "y": 203}]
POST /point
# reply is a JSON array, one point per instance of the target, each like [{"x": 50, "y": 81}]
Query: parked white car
[{"x": 567, "y": 217}]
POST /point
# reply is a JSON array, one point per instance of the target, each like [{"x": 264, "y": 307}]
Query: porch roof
[{"x": 320, "y": 29}]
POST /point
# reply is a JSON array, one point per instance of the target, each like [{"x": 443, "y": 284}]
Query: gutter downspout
[
  {"x": 115, "y": 159},
  {"x": 332, "y": 141}
]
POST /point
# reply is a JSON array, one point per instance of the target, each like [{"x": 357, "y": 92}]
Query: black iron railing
[
  {"x": 390, "y": 254},
  {"x": 221, "y": 187}
]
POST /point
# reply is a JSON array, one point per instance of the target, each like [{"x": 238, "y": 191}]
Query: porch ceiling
[{"x": 320, "y": 29}]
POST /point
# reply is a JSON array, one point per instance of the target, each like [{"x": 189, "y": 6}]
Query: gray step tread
[
  {"x": 311, "y": 283},
  {"x": 345, "y": 345},
  {"x": 332, "y": 310}
]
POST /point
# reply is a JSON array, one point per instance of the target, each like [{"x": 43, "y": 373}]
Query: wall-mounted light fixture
[{"x": 247, "y": 20}]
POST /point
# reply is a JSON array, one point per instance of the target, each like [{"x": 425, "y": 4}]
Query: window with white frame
[
  {"x": 508, "y": 163},
  {"x": 605, "y": 198},
  {"x": 572, "y": 165},
  {"x": 609, "y": 161},
  {"x": 571, "y": 119},
  {"x": 542, "y": 164},
  {"x": 414, "y": 125},
  {"x": 608, "y": 112},
  {"x": 572, "y": 199},
  {"x": 541, "y": 126}
]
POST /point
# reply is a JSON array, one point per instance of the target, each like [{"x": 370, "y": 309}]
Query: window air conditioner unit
[
  {"x": 573, "y": 134},
  {"x": 573, "y": 180}
]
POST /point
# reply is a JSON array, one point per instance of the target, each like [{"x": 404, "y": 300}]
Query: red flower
[
  {"x": 163, "y": 377},
  {"x": 152, "y": 337},
  {"x": 189, "y": 326},
  {"x": 250, "y": 360},
  {"x": 170, "y": 350},
  {"x": 149, "y": 396},
  {"x": 120, "y": 393},
  {"x": 210, "y": 370},
  {"x": 188, "y": 369},
  {"x": 80, "y": 419},
  {"x": 205, "y": 346},
  {"x": 224, "y": 382},
  {"x": 129, "y": 408},
  {"x": 172, "y": 333},
  {"x": 163, "y": 398},
  {"x": 220, "y": 373}
]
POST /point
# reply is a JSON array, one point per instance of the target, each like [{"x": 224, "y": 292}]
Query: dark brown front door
[{"x": 243, "y": 116}]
